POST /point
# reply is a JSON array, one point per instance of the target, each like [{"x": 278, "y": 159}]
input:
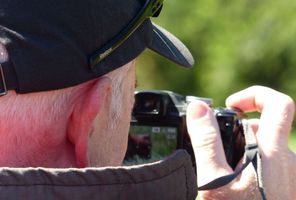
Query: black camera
[{"x": 158, "y": 127}]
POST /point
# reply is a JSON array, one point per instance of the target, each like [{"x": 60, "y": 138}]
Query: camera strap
[{"x": 252, "y": 155}]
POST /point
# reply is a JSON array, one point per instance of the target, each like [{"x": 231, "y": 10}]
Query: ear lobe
[{"x": 88, "y": 103}]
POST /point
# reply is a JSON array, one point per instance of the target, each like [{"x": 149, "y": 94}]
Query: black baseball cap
[{"x": 60, "y": 43}]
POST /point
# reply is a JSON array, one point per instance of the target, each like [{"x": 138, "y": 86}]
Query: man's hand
[{"x": 271, "y": 130}]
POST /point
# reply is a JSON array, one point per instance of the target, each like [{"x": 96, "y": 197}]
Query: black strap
[
  {"x": 224, "y": 180},
  {"x": 8, "y": 78},
  {"x": 251, "y": 156}
]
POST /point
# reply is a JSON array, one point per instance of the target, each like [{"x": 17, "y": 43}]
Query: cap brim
[{"x": 167, "y": 45}]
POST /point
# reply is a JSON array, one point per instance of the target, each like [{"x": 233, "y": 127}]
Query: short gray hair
[{"x": 117, "y": 77}]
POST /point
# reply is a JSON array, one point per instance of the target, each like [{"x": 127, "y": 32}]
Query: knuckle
[
  {"x": 291, "y": 103},
  {"x": 288, "y": 103}
]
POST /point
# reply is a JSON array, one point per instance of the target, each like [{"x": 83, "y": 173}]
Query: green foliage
[
  {"x": 292, "y": 142},
  {"x": 235, "y": 43}
]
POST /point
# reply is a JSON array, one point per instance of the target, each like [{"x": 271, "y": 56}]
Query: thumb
[{"x": 206, "y": 142}]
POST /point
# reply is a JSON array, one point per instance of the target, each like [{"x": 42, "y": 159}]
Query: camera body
[{"x": 158, "y": 127}]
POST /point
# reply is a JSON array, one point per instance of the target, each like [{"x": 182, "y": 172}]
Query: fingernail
[
  {"x": 229, "y": 100},
  {"x": 200, "y": 111}
]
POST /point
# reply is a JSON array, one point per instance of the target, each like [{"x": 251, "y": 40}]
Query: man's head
[
  {"x": 84, "y": 125},
  {"x": 76, "y": 108}
]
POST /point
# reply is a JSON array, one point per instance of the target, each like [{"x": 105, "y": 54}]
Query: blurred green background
[{"x": 236, "y": 44}]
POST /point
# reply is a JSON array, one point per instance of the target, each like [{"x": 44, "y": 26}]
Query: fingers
[
  {"x": 277, "y": 112},
  {"x": 206, "y": 142},
  {"x": 254, "y": 123}
]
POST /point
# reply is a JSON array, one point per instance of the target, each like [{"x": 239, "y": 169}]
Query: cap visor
[{"x": 167, "y": 45}]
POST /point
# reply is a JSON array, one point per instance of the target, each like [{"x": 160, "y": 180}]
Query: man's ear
[{"x": 89, "y": 101}]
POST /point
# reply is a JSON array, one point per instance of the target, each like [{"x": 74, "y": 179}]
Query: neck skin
[
  {"x": 37, "y": 151},
  {"x": 32, "y": 139},
  {"x": 59, "y": 157}
]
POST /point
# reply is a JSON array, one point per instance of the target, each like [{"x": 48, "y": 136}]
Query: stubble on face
[{"x": 107, "y": 144}]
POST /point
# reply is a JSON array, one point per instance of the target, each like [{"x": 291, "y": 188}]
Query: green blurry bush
[{"x": 235, "y": 43}]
